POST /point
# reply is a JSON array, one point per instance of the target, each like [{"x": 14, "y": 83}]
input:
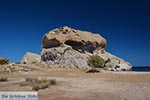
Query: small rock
[{"x": 93, "y": 71}]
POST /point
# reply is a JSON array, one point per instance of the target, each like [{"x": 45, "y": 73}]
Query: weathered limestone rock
[
  {"x": 65, "y": 57},
  {"x": 69, "y": 48},
  {"x": 30, "y": 58},
  {"x": 115, "y": 63},
  {"x": 81, "y": 41}
]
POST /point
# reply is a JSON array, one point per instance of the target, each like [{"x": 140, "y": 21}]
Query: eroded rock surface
[
  {"x": 115, "y": 63},
  {"x": 69, "y": 48},
  {"x": 81, "y": 41},
  {"x": 30, "y": 58},
  {"x": 65, "y": 57}
]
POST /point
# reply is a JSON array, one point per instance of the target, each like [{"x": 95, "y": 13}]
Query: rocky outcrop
[
  {"x": 69, "y": 48},
  {"x": 81, "y": 41},
  {"x": 115, "y": 63},
  {"x": 65, "y": 57},
  {"x": 30, "y": 58}
]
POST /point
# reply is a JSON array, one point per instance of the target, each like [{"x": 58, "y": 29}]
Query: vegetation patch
[
  {"x": 3, "y": 61},
  {"x": 3, "y": 79},
  {"x": 31, "y": 80},
  {"x": 96, "y": 61},
  {"x": 53, "y": 82},
  {"x": 38, "y": 84},
  {"x": 24, "y": 84}
]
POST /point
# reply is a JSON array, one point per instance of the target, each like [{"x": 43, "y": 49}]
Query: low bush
[
  {"x": 31, "y": 80},
  {"x": 3, "y": 79},
  {"x": 24, "y": 84},
  {"x": 36, "y": 87},
  {"x": 28, "y": 79},
  {"x": 53, "y": 82},
  {"x": 43, "y": 81},
  {"x": 96, "y": 61},
  {"x": 45, "y": 85},
  {"x": 3, "y": 61},
  {"x": 38, "y": 84}
]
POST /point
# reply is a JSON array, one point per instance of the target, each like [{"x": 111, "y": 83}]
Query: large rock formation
[
  {"x": 30, "y": 58},
  {"x": 69, "y": 48}
]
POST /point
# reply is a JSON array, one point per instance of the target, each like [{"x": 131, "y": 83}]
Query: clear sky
[{"x": 124, "y": 23}]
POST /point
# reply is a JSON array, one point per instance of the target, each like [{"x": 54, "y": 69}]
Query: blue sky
[{"x": 125, "y": 24}]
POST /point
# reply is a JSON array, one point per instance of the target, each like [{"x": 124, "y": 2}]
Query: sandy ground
[{"x": 78, "y": 85}]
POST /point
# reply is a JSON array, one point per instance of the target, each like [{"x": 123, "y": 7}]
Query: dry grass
[
  {"x": 24, "y": 84},
  {"x": 78, "y": 85},
  {"x": 38, "y": 84}
]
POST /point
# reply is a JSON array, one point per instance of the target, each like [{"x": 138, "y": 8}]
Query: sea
[{"x": 141, "y": 68}]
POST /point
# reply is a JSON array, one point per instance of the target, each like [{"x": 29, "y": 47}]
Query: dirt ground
[{"x": 78, "y": 85}]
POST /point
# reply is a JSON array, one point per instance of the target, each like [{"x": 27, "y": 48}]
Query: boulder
[
  {"x": 70, "y": 48},
  {"x": 30, "y": 58},
  {"x": 81, "y": 41}
]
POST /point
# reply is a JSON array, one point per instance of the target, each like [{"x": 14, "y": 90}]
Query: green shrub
[
  {"x": 3, "y": 79},
  {"x": 3, "y": 61},
  {"x": 53, "y": 82},
  {"x": 96, "y": 61}
]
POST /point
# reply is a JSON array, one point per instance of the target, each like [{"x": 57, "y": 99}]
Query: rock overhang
[{"x": 78, "y": 40}]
